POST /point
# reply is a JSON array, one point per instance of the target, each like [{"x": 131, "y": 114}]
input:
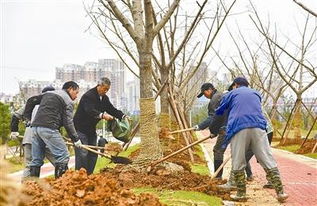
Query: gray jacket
[
  {"x": 56, "y": 110},
  {"x": 212, "y": 106}
]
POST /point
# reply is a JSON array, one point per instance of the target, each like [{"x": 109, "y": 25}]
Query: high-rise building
[{"x": 133, "y": 96}]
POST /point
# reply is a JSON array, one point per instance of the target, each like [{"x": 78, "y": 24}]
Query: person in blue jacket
[{"x": 246, "y": 129}]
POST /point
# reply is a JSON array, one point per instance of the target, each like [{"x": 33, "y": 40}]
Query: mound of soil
[
  {"x": 77, "y": 188},
  {"x": 162, "y": 179},
  {"x": 307, "y": 147}
]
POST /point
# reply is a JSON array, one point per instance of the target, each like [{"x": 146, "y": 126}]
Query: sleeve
[
  {"x": 224, "y": 104},
  {"x": 14, "y": 123},
  {"x": 68, "y": 123},
  {"x": 204, "y": 124},
  {"x": 218, "y": 123},
  {"x": 30, "y": 104},
  {"x": 89, "y": 107},
  {"x": 110, "y": 109}
]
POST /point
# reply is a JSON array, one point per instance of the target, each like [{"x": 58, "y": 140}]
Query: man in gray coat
[{"x": 55, "y": 111}]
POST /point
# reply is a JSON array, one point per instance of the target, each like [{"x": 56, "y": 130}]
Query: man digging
[{"x": 246, "y": 129}]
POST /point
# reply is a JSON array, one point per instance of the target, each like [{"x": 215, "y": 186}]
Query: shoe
[
  {"x": 60, "y": 169},
  {"x": 227, "y": 187},
  {"x": 239, "y": 198},
  {"x": 250, "y": 179},
  {"x": 282, "y": 197},
  {"x": 35, "y": 171},
  {"x": 268, "y": 185}
]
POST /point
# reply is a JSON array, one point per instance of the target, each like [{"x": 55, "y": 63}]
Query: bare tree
[{"x": 304, "y": 72}]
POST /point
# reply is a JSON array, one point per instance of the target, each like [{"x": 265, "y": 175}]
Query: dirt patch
[
  {"x": 307, "y": 147},
  {"x": 162, "y": 179},
  {"x": 76, "y": 188}
]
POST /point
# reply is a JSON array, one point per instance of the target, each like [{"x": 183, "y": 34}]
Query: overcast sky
[{"x": 39, "y": 35}]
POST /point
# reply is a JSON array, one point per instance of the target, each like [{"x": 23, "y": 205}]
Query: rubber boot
[
  {"x": 275, "y": 178},
  {"x": 101, "y": 143},
  {"x": 269, "y": 184},
  {"x": 230, "y": 185},
  {"x": 35, "y": 171},
  {"x": 217, "y": 164},
  {"x": 60, "y": 169},
  {"x": 239, "y": 178}
]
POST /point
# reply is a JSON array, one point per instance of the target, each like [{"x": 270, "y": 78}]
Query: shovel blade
[{"x": 120, "y": 160}]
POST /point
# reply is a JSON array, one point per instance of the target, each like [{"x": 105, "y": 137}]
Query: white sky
[{"x": 39, "y": 35}]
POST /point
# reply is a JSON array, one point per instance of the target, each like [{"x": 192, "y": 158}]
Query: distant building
[
  {"x": 87, "y": 77},
  {"x": 133, "y": 96},
  {"x": 32, "y": 87}
]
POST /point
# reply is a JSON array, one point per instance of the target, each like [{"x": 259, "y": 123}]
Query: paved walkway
[
  {"x": 299, "y": 176},
  {"x": 46, "y": 170}
]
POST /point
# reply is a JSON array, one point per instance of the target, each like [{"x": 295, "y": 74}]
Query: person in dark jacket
[
  {"x": 27, "y": 138},
  {"x": 55, "y": 111},
  {"x": 210, "y": 92},
  {"x": 93, "y": 106},
  {"x": 246, "y": 129}
]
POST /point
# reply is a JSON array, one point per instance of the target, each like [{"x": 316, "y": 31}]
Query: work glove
[
  {"x": 78, "y": 144},
  {"x": 14, "y": 135},
  {"x": 196, "y": 128}
]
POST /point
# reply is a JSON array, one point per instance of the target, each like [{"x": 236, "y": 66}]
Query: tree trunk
[
  {"x": 165, "y": 119},
  {"x": 150, "y": 144}
]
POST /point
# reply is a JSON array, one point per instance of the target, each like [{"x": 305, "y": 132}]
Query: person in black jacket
[
  {"x": 93, "y": 106},
  {"x": 210, "y": 92},
  {"x": 20, "y": 115}
]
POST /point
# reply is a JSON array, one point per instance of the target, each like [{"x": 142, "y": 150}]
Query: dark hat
[
  {"x": 230, "y": 87},
  {"x": 48, "y": 88},
  {"x": 241, "y": 81},
  {"x": 205, "y": 87}
]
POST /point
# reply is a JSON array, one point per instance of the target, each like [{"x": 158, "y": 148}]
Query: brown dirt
[
  {"x": 76, "y": 188},
  {"x": 307, "y": 147},
  {"x": 162, "y": 179}
]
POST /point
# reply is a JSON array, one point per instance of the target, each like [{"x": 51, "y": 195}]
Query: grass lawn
[
  {"x": 15, "y": 164},
  {"x": 175, "y": 198},
  {"x": 295, "y": 147},
  {"x": 290, "y": 148}
]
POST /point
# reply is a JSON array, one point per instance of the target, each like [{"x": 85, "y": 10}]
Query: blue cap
[{"x": 241, "y": 81}]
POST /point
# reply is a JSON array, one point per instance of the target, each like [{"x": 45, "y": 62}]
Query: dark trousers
[
  {"x": 249, "y": 155},
  {"x": 84, "y": 158}
]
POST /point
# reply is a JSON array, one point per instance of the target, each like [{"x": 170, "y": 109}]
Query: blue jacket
[{"x": 244, "y": 107}]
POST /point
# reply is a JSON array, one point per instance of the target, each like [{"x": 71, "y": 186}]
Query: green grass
[
  {"x": 311, "y": 155},
  {"x": 200, "y": 169},
  {"x": 181, "y": 198},
  {"x": 15, "y": 164},
  {"x": 103, "y": 162},
  {"x": 198, "y": 150},
  {"x": 290, "y": 148}
]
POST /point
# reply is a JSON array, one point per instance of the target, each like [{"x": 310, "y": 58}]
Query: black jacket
[
  {"x": 89, "y": 109},
  {"x": 212, "y": 106},
  {"x": 56, "y": 110}
]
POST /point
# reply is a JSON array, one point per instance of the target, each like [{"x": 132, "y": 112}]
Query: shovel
[
  {"x": 182, "y": 130},
  {"x": 114, "y": 159},
  {"x": 177, "y": 152}
]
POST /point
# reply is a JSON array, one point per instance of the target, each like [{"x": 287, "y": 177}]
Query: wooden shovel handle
[
  {"x": 182, "y": 130},
  {"x": 179, "y": 151},
  {"x": 221, "y": 166}
]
